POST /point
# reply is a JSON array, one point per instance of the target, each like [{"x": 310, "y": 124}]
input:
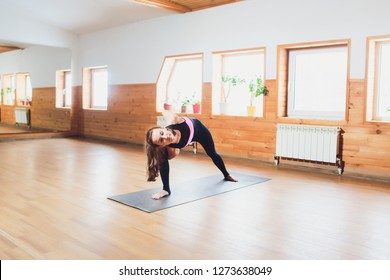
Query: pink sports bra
[{"x": 191, "y": 126}]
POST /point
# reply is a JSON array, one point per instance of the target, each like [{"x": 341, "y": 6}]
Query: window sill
[
  {"x": 95, "y": 109},
  {"x": 290, "y": 120},
  {"x": 63, "y": 108},
  {"x": 385, "y": 122}
]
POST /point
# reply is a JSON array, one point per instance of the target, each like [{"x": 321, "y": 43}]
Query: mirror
[{"x": 38, "y": 62}]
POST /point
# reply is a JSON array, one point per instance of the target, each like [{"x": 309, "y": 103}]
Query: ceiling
[
  {"x": 84, "y": 16},
  {"x": 185, "y": 6}
]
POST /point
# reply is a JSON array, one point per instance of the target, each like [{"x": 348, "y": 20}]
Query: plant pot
[
  {"x": 167, "y": 106},
  {"x": 184, "y": 109},
  {"x": 251, "y": 110},
  {"x": 196, "y": 108},
  {"x": 223, "y": 106}
]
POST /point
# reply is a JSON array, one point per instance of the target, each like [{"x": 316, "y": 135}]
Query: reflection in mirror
[
  {"x": 28, "y": 72},
  {"x": 20, "y": 129}
]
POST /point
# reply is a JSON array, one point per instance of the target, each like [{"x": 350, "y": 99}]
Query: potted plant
[
  {"x": 196, "y": 106},
  {"x": 184, "y": 103},
  {"x": 256, "y": 88},
  {"x": 168, "y": 104},
  {"x": 227, "y": 83}
]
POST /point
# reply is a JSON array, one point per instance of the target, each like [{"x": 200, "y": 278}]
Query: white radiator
[
  {"x": 22, "y": 116},
  {"x": 307, "y": 142}
]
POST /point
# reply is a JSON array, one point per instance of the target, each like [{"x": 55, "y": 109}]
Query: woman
[{"x": 163, "y": 144}]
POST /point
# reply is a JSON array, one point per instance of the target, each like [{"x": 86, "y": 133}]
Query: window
[
  {"x": 16, "y": 89},
  {"x": 99, "y": 88},
  {"x": 233, "y": 72},
  {"x": 378, "y": 79},
  {"x": 64, "y": 89},
  {"x": 23, "y": 89},
  {"x": 8, "y": 89},
  {"x": 95, "y": 88},
  {"x": 28, "y": 87},
  {"x": 180, "y": 82},
  {"x": 314, "y": 84}
]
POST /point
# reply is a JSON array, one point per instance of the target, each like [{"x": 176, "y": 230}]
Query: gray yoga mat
[{"x": 186, "y": 192}]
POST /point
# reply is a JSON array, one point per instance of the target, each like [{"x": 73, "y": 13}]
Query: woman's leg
[{"x": 205, "y": 138}]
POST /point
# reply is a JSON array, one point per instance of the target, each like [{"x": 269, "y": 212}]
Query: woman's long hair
[{"x": 155, "y": 156}]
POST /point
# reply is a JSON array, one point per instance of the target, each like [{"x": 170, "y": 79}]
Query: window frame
[
  {"x": 292, "y": 111},
  {"x": 67, "y": 78},
  {"x": 372, "y": 78},
  {"x": 8, "y": 80},
  {"x": 218, "y": 64},
  {"x": 164, "y": 79},
  {"x": 88, "y": 87},
  {"x": 283, "y": 78},
  {"x": 21, "y": 83},
  {"x": 28, "y": 87},
  {"x": 61, "y": 86}
]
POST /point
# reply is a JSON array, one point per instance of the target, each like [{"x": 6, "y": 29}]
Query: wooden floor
[{"x": 53, "y": 205}]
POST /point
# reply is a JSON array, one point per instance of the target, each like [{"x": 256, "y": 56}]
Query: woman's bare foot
[
  {"x": 160, "y": 194},
  {"x": 230, "y": 178}
]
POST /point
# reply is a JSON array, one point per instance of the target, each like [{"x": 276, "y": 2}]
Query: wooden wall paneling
[
  {"x": 44, "y": 113},
  {"x": 7, "y": 114},
  {"x": 281, "y": 88},
  {"x": 270, "y": 101},
  {"x": 131, "y": 110},
  {"x": 356, "y": 102},
  {"x": 206, "y": 106}
]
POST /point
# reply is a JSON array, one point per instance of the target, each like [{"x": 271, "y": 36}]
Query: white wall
[
  {"x": 43, "y": 62},
  {"x": 134, "y": 52},
  {"x": 40, "y": 61},
  {"x": 47, "y": 49},
  {"x": 16, "y": 27},
  {"x": 10, "y": 62}
]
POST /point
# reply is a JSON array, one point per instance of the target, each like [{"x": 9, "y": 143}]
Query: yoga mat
[{"x": 186, "y": 192}]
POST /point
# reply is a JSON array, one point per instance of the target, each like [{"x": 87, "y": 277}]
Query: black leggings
[{"x": 203, "y": 136}]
